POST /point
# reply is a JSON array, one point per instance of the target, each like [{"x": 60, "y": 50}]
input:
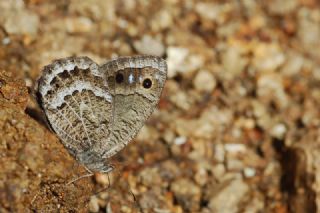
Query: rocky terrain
[{"x": 237, "y": 127}]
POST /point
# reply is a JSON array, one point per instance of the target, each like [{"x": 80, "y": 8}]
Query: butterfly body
[{"x": 97, "y": 110}]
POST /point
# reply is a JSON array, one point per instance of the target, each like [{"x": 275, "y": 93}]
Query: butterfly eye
[
  {"x": 147, "y": 83},
  {"x": 119, "y": 78}
]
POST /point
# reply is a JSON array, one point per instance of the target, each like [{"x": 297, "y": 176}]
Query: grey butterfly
[{"x": 97, "y": 110}]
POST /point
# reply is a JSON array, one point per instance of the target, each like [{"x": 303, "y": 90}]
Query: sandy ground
[{"x": 237, "y": 127}]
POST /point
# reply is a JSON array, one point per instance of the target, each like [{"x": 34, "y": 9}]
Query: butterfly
[{"x": 97, "y": 110}]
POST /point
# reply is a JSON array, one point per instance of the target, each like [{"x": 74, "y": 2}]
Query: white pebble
[
  {"x": 180, "y": 140},
  {"x": 149, "y": 46},
  {"x": 279, "y": 131},
  {"x": 22, "y": 22},
  {"x": 235, "y": 148},
  {"x": 219, "y": 153},
  {"x": 6, "y": 41},
  {"x": 94, "y": 204},
  {"x": 176, "y": 57},
  {"x": 249, "y": 172},
  {"x": 204, "y": 81}
]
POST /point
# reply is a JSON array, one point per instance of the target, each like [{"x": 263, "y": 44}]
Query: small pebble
[
  {"x": 235, "y": 148},
  {"x": 234, "y": 164},
  {"x": 219, "y": 153},
  {"x": 94, "y": 204},
  {"x": 218, "y": 171},
  {"x": 6, "y": 41},
  {"x": 176, "y": 56},
  {"x": 187, "y": 194},
  {"x": 249, "y": 172},
  {"x": 180, "y": 140},
  {"x": 78, "y": 25},
  {"x": 229, "y": 198},
  {"x": 279, "y": 131},
  {"x": 204, "y": 81},
  {"x": 149, "y": 46},
  {"x": 103, "y": 178},
  {"x": 22, "y": 22}
]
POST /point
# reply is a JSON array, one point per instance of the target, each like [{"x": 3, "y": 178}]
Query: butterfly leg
[{"x": 90, "y": 173}]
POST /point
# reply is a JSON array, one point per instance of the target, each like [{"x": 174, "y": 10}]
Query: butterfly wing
[
  {"x": 135, "y": 84},
  {"x": 74, "y": 96}
]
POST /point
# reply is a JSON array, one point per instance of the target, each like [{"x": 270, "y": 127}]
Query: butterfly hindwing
[
  {"x": 133, "y": 98},
  {"x": 76, "y": 101}
]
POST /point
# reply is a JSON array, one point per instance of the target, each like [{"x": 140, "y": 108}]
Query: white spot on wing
[
  {"x": 69, "y": 64},
  {"x": 131, "y": 78},
  {"x": 78, "y": 86},
  {"x": 156, "y": 76}
]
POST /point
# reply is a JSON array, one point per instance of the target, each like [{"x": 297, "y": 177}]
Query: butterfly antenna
[
  {"x": 115, "y": 169},
  {"x": 135, "y": 200}
]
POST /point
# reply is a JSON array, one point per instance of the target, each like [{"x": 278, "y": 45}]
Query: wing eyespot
[
  {"x": 119, "y": 78},
  {"x": 147, "y": 83}
]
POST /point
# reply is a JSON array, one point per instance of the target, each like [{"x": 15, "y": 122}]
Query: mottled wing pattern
[
  {"x": 135, "y": 84},
  {"x": 74, "y": 96}
]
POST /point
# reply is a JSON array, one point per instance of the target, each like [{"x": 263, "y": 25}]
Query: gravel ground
[{"x": 237, "y": 127}]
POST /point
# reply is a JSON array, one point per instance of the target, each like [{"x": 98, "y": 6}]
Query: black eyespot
[
  {"x": 119, "y": 78},
  {"x": 147, "y": 83}
]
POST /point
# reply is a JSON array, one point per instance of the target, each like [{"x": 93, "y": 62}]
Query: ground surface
[{"x": 237, "y": 128}]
